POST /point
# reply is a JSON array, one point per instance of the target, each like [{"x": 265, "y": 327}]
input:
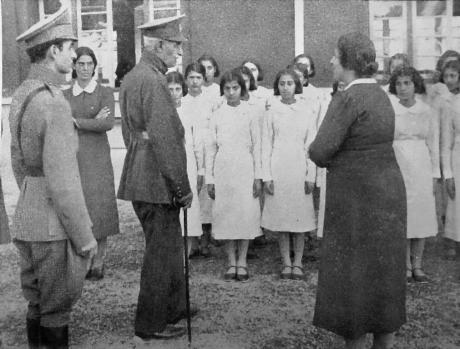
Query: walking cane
[{"x": 187, "y": 291}]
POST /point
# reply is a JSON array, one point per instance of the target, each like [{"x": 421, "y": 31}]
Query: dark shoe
[
  {"x": 96, "y": 274},
  {"x": 286, "y": 272},
  {"x": 242, "y": 277},
  {"x": 183, "y": 315},
  {"x": 230, "y": 275},
  {"x": 419, "y": 276},
  {"x": 54, "y": 337},
  {"x": 169, "y": 332},
  {"x": 297, "y": 276},
  {"x": 33, "y": 333}
]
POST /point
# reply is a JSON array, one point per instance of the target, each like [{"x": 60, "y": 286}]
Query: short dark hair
[
  {"x": 206, "y": 57},
  {"x": 233, "y": 75},
  {"x": 398, "y": 56},
  {"x": 260, "y": 77},
  {"x": 38, "y": 53},
  {"x": 246, "y": 71},
  {"x": 84, "y": 51},
  {"x": 405, "y": 70},
  {"x": 454, "y": 65},
  {"x": 357, "y": 53},
  {"x": 292, "y": 73},
  {"x": 312, "y": 64},
  {"x": 196, "y": 67},
  {"x": 175, "y": 77},
  {"x": 446, "y": 55}
]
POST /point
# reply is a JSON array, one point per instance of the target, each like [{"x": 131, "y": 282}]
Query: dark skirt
[{"x": 361, "y": 282}]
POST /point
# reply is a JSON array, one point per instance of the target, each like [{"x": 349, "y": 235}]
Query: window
[
  {"x": 48, "y": 7},
  {"x": 163, "y": 8}
]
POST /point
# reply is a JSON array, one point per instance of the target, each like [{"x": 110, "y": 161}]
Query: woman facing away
[
  {"x": 361, "y": 280},
  {"x": 416, "y": 146},
  {"x": 93, "y": 112}
]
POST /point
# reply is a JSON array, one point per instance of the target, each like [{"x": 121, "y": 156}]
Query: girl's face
[
  {"x": 253, "y": 68},
  {"x": 247, "y": 81},
  {"x": 395, "y": 63},
  {"x": 232, "y": 91},
  {"x": 194, "y": 82},
  {"x": 336, "y": 66},
  {"x": 300, "y": 76},
  {"x": 286, "y": 86},
  {"x": 306, "y": 61},
  {"x": 450, "y": 77},
  {"x": 84, "y": 67},
  {"x": 405, "y": 89},
  {"x": 176, "y": 91},
  {"x": 210, "y": 70}
]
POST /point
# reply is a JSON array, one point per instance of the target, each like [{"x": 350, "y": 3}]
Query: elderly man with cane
[{"x": 155, "y": 179}]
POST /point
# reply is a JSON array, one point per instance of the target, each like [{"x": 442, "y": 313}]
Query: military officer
[
  {"x": 154, "y": 178},
  {"x": 51, "y": 226}
]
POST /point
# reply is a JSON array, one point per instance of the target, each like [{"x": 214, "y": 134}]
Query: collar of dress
[
  {"x": 77, "y": 90},
  {"x": 361, "y": 81}
]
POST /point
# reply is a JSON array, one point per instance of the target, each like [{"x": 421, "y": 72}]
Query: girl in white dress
[
  {"x": 416, "y": 145},
  {"x": 450, "y": 156},
  {"x": 198, "y": 107},
  {"x": 258, "y": 74},
  {"x": 288, "y": 174},
  {"x": 194, "y": 153},
  {"x": 210, "y": 87},
  {"x": 233, "y": 176}
]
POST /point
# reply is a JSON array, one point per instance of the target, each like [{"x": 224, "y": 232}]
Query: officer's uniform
[
  {"x": 154, "y": 175},
  {"x": 51, "y": 224}
]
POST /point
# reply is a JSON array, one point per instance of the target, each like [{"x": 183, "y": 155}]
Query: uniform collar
[
  {"x": 77, "y": 90},
  {"x": 43, "y": 73},
  {"x": 361, "y": 81},
  {"x": 152, "y": 60}
]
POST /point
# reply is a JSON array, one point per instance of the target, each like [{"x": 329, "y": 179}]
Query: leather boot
[
  {"x": 33, "y": 333},
  {"x": 54, "y": 337}
]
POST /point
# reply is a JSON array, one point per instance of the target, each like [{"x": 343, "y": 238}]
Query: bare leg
[
  {"x": 408, "y": 261},
  {"x": 299, "y": 245},
  {"x": 284, "y": 243},
  {"x": 359, "y": 343},
  {"x": 417, "y": 247},
  {"x": 230, "y": 248},
  {"x": 383, "y": 341},
  {"x": 242, "y": 252}
]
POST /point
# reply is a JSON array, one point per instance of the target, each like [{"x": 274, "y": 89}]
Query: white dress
[
  {"x": 211, "y": 92},
  {"x": 416, "y": 146},
  {"x": 199, "y": 108},
  {"x": 288, "y": 132},
  {"x": 194, "y": 153},
  {"x": 450, "y": 159},
  {"x": 232, "y": 164}
]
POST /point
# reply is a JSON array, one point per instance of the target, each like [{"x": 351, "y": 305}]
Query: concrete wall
[
  {"x": 324, "y": 22},
  {"x": 234, "y": 30}
]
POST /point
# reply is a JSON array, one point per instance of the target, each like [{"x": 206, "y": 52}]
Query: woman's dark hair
[
  {"x": 398, "y": 56},
  {"x": 357, "y": 53},
  {"x": 175, "y": 77},
  {"x": 84, "y": 51},
  {"x": 454, "y": 65},
  {"x": 312, "y": 64},
  {"x": 196, "y": 67},
  {"x": 206, "y": 57},
  {"x": 233, "y": 75},
  {"x": 260, "y": 77},
  {"x": 445, "y": 56},
  {"x": 405, "y": 70},
  {"x": 38, "y": 53},
  {"x": 246, "y": 71},
  {"x": 292, "y": 73}
]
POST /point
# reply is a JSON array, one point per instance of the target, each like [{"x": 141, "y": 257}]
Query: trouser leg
[
  {"x": 98, "y": 259},
  {"x": 162, "y": 286}
]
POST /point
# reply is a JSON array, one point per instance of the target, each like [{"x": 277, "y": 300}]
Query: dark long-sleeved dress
[
  {"x": 361, "y": 282},
  {"x": 94, "y": 162}
]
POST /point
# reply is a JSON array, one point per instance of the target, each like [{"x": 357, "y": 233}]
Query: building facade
[{"x": 270, "y": 32}]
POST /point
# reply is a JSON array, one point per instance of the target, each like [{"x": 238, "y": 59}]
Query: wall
[
  {"x": 324, "y": 22},
  {"x": 234, "y": 30}
]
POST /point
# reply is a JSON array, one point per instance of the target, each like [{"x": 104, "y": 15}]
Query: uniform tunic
[
  {"x": 416, "y": 146},
  {"x": 232, "y": 164},
  {"x": 194, "y": 148},
  {"x": 450, "y": 159},
  {"x": 200, "y": 108},
  {"x": 361, "y": 281},
  {"x": 94, "y": 160},
  {"x": 288, "y": 132}
]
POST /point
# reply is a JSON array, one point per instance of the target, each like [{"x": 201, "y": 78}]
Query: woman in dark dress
[
  {"x": 93, "y": 112},
  {"x": 361, "y": 282}
]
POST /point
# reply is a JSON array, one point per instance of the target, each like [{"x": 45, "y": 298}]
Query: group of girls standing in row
[{"x": 249, "y": 142}]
